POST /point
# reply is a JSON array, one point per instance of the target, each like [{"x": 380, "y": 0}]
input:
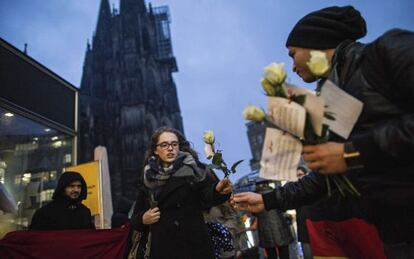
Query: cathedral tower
[{"x": 127, "y": 89}]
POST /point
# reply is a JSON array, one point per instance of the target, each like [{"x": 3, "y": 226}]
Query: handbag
[
  {"x": 141, "y": 241},
  {"x": 136, "y": 239},
  {"x": 140, "y": 246}
]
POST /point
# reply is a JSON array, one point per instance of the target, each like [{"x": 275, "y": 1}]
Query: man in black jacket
[
  {"x": 377, "y": 156},
  {"x": 66, "y": 210}
]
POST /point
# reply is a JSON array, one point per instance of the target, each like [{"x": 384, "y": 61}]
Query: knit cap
[{"x": 327, "y": 28}]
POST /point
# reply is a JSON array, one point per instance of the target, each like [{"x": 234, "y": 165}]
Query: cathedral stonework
[{"x": 127, "y": 89}]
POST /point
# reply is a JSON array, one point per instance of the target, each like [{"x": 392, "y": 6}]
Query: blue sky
[{"x": 221, "y": 48}]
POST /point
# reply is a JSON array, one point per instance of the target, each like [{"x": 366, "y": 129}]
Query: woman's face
[{"x": 167, "y": 148}]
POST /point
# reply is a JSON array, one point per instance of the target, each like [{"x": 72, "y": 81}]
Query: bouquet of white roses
[
  {"x": 274, "y": 85},
  {"x": 216, "y": 156}
]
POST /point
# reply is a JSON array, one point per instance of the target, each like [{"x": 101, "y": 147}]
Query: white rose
[
  {"x": 253, "y": 113},
  {"x": 209, "y": 151},
  {"x": 208, "y": 137},
  {"x": 275, "y": 73},
  {"x": 318, "y": 63},
  {"x": 268, "y": 88}
]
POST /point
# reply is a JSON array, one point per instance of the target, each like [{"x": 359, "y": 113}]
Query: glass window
[{"x": 31, "y": 159}]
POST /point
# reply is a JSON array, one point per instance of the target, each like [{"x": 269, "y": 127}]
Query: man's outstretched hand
[{"x": 248, "y": 201}]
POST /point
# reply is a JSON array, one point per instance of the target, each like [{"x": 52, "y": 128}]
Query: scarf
[{"x": 184, "y": 165}]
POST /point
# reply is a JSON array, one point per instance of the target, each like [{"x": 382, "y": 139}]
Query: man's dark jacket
[
  {"x": 63, "y": 212},
  {"x": 381, "y": 75}
]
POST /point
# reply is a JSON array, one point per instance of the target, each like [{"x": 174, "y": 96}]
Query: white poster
[
  {"x": 314, "y": 106},
  {"x": 287, "y": 115},
  {"x": 280, "y": 156},
  {"x": 345, "y": 108}
]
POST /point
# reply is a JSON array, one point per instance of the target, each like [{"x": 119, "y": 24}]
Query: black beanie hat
[{"x": 327, "y": 28}]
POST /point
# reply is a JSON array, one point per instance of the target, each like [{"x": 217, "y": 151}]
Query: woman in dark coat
[{"x": 170, "y": 200}]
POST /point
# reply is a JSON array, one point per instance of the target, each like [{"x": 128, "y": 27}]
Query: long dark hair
[{"x": 184, "y": 144}]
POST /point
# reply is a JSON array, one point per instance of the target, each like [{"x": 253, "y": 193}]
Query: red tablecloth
[{"x": 73, "y": 244}]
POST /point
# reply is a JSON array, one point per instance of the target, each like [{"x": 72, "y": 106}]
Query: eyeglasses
[{"x": 166, "y": 145}]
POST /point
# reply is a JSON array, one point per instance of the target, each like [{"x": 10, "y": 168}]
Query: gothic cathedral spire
[
  {"x": 127, "y": 89},
  {"x": 103, "y": 26}
]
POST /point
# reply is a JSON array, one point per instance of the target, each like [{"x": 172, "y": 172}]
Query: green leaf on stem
[
  {"x": 217, "y": 159},
  {"x": 233, "y": 167},
  {"x": 300, "y": 99},
  {"x": 280, "y": 91}
]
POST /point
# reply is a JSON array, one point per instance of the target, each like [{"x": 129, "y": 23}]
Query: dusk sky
[{"x": 221, "y": 47}]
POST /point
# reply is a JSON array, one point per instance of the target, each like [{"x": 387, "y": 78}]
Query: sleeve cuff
[
  {"x": 371, "y": 156},
  {"x": 269, "y": 200},
  {"x": 137, "y": 223},
  {"x": 220, "y": 198},
  {"x": 352, "y": 157}
]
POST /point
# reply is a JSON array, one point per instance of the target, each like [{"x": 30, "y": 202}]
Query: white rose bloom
[
  {"x": 275, "y": 73},
  {"x": 209, "y": 151},
  {"x": 268, "y": 88},
  {"x": 253, "y": 113},
  {"x": 318, "y": 63},
  {"x": 208, "y": 137}
]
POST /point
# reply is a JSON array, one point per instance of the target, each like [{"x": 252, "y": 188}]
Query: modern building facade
[
  {"x": 38, "y": 134},
  {"x": 127, "y": 89}
]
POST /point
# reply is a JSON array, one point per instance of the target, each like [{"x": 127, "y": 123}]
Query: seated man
[{"x": 66, "y": 210}]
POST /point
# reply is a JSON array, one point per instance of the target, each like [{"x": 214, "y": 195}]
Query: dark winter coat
[
  {"x": 381, "y": 75},
  {"x": 63, "y": 212},
  {"x": 272, "y": 228},
  {"x": 181, "y": 232}
]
